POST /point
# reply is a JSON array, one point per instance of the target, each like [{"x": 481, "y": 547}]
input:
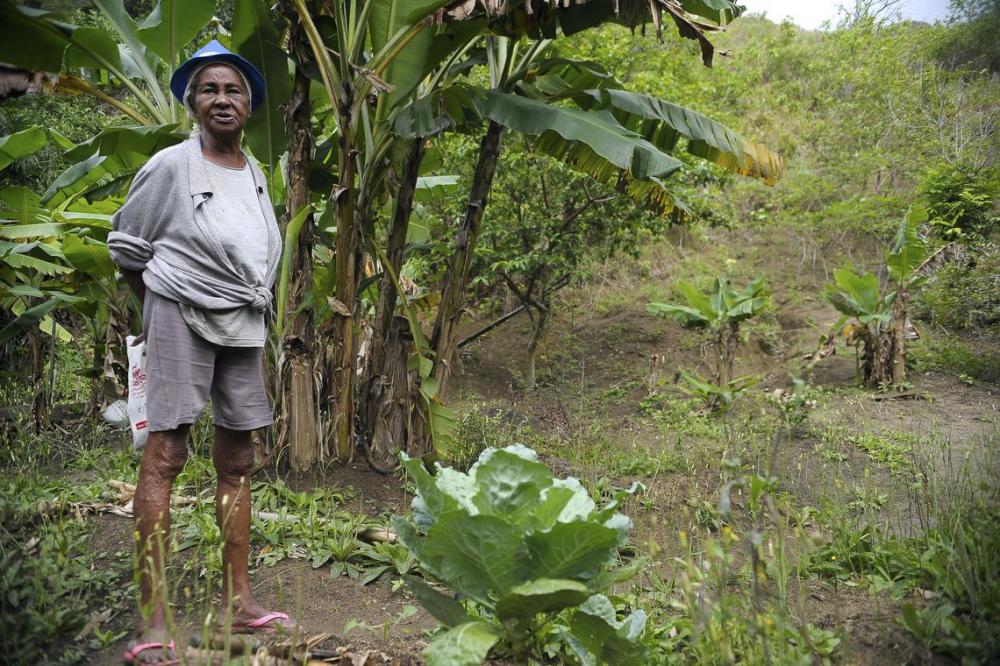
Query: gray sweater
[{"x": 157, "y": 232}]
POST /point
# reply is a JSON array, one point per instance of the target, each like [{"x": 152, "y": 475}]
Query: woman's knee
[
  {"x": 233, "y": 455},
  {"x": 165, "y": 454}
]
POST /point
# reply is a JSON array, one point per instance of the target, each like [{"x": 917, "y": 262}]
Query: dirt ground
[
  {"x": 321, "y": 604},
  {"x": 604, "y": 343}
]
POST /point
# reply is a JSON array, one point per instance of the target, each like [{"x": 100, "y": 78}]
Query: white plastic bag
[
  {"x": 137, "y": 392},
  {"x": 116, "y": 414}
]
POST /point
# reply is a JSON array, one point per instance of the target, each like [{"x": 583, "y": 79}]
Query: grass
[
  {"x": 62, "y": 600},
  {"x": 952, "y": 355},
  {"x": 55, "y": 591}
]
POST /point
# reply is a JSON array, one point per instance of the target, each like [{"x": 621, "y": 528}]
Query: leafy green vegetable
[{"x": 522, "y": 549}]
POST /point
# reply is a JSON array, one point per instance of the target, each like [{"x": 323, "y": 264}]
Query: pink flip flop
[
  {"x": 131, "y": 655},
  {"x": 266, "y": 624}
]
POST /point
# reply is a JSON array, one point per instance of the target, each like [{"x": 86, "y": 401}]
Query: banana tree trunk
[
  {"x": 297, "y": 392},
  {"x": 384, "y": 404},
  {"x": 728, "y": 339},
  {"x": 444, "y": 340},
  {"x": 347, "y": 255},
  {"x": 101, "y": 323},
  {"x": 899, "y": 313},
  {"x": 39, "y": 407},
  {"x": 387, "y": 400},
  {"x": 115, "y": 373},
  {"x": 878, "y": 357}
]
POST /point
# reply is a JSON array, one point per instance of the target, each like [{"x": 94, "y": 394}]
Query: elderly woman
[{"x": 198, "y": 243}]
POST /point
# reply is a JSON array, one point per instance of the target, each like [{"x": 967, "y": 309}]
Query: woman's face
[{"x": 221, "y": 101}]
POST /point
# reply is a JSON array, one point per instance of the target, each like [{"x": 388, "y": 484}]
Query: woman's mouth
[{"x": 224, "y": 118}]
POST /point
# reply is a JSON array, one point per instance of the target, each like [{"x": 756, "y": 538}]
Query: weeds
[
  {"x": 894, "y": 452},
  {"x": 53, "y": 587},
  {"x": 480, "y": 428},
  {"x": 952, "y": 355},
  {"x": 682, "y": 417}
]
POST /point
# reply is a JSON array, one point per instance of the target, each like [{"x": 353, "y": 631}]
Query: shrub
[
  {"x": 960, "y": 202},
  {"x": 964, "y": 294},
  {"x": 949, "y": 354}
]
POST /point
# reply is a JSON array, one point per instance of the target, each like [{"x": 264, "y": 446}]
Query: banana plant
[
  {"x": 721, "y": 312},
  {"x": 55, "y": 259},
  {"x": 874, "y": 313},
  {"x": 379, "y": 49},
  {"x": 139, "y": 56},
  {"x": 524, "y": 90},
  {"x": 134, "y": 56}
]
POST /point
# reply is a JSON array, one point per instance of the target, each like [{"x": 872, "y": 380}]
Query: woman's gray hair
[{"x": 189, "y": 91}]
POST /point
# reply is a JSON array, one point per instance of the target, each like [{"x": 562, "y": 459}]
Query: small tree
[
  {"x": 541, "y": 231},
  {"x": 876, "y": 316},
  {"x": 721, "y": 312}
]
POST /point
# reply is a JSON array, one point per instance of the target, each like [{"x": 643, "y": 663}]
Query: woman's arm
[{"x": 134, "y": 279}]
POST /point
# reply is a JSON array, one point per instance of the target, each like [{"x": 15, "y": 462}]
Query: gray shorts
[{"x": 184, "y": 369}]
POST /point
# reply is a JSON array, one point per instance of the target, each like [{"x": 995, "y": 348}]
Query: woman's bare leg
[
  {"x": 162, "y": 460},
  {"x": 233, "y": 458}
]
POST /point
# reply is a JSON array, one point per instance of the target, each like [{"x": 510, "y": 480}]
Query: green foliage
[
  {"x": 256, "y": 37},
  {"x": 721, "y": 311},
  {"x": 961, "y": 202},
  {"x": 593, "y": 142},
  {"x": 522, "y": 547},
  {"x": 909, "y": 250},
  {"x": 950, "y": 354},
  {"x": 713, "y": 396},
  {"x": 861, "y": 297},
  {"x": 542, "y": 230},
  {"x": 482, "y": 428},
  {"x": 722, "y": 307},
  {"x": 858, "y": 296},
  {"x": 894, "y": 453},
  {"x": 20, "y": 144},
  {"x": 52, "y": 584},
  {"x": 951, "y": 561},
  {"x": 963, "y": 295},
  {"x": 684, "y": 416},
  {"x": 718, "y": 607},
  {"x": 969, "y": 43}
]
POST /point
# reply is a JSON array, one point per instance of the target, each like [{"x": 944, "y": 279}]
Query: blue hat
[{"x": 216, "y": 52}]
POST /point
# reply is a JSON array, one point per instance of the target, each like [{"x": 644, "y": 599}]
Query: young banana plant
[{"x": 874, "y": 315}]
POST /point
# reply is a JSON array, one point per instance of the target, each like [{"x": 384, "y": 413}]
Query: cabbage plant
[{"x": 526, "y": 555}]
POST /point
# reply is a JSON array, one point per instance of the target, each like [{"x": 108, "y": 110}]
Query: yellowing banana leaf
[{"x": 663, "y": 123}]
